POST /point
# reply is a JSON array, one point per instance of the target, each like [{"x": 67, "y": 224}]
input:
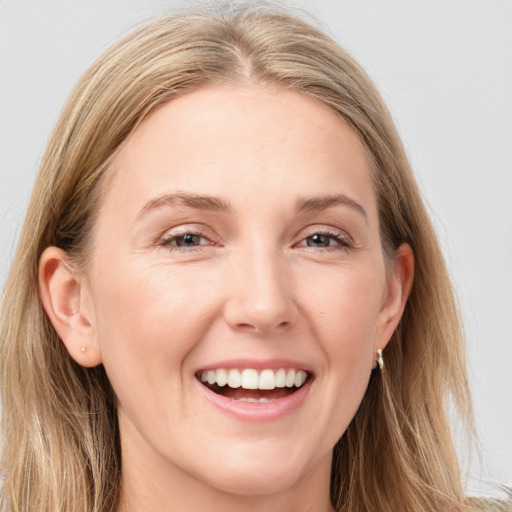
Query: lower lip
[{"x": 259, "y": 412}]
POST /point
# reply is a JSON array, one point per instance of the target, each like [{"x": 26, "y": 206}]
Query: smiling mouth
[{"x": 249, "y": 385}]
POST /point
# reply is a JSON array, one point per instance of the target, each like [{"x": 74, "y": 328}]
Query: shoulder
[{"x": 493, "y": 504}]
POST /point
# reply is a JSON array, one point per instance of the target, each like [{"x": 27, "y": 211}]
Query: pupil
[{"x": 319, "y": 241}]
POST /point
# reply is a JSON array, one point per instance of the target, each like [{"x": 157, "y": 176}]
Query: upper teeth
[{"x": 251, "y": 379}]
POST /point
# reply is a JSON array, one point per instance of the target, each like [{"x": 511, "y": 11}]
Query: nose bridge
[{"x": 259, "y": 295}]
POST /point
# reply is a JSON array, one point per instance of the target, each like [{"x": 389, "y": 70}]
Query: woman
[{"x": 241, "y": 303}]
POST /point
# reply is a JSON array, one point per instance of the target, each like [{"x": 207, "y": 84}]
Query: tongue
[{"x": 271, "y": 394}]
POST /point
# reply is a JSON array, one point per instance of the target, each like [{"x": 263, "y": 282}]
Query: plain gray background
[{"x": 445, "y": 69}]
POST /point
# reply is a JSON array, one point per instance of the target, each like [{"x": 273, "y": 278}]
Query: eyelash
[{"x": 341, "y": 239}]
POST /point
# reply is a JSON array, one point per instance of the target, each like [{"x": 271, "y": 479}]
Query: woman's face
[{"x": 238, "y": 241}]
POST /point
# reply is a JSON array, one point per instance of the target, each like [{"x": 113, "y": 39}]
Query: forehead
[{"x": 235, "y": 141}]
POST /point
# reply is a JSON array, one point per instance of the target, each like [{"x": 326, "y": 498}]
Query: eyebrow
[
  {"x": 196, "y": 201},
  {"x": 324, "y": 202},
  {"x": 216, "y": 204}
]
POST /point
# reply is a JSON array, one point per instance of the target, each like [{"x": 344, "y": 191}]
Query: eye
[
  {"x": 326, "y": 240},
  {"x": 186, "y": 240},
  {"x": 320, "y": 240},
  {"x": 189, "y": 240}
]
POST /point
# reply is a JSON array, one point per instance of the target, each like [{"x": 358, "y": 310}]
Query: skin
[{"x": 255, "y": 284}]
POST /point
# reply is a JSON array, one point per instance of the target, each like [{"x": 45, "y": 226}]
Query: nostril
[
  {"x": 261, "y": 327},
  {"x": 246, "y": 327}
]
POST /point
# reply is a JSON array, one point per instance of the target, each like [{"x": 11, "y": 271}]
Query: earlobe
[
  {"x": 63, "y": 294},
  {"x": 397, "y": 292}
]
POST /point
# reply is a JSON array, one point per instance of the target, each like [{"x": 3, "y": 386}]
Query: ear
[
  {"x": 396, "y": 294},
  {"x": 67, "y": 299}
]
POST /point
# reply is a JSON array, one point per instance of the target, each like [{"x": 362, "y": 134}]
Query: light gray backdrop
[{"x": 445, "y": 68}]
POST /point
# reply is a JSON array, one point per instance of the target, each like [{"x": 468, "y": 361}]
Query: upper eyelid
[
  {"x": 181, "y": 235},
  {"x": 182, "y": 230},
  {"x": 324, "y": 230}
]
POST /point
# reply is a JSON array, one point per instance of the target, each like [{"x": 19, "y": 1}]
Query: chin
[
  {"x": 251, "y": 474},
  {"x": 257, "y": 481}
]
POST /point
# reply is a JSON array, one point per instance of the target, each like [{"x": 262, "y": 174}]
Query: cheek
[
  {"x": 344, "y": 311},
  {"x": 344, "y": 308},
  {"x": 148, "y": 321}
]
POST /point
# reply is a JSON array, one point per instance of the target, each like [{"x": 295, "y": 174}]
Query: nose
[{"x": 259, "y": 293}]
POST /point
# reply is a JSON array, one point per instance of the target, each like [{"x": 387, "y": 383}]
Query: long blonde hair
[{"x": 60, "y": 434}]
